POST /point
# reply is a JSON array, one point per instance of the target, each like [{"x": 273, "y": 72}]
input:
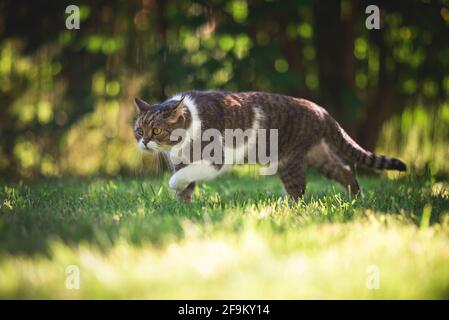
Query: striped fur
[
  {"x": 307, "y": 137},
  {"x": 346, "y": 147}
]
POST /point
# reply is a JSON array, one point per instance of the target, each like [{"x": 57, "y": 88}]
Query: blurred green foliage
[{"x": 67, "y": 95}]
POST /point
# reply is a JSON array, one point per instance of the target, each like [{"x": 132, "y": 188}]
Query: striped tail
[{"x": 349, "y": 149}]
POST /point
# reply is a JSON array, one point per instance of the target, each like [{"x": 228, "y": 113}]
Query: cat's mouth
[{"x": 150, "y": 146}]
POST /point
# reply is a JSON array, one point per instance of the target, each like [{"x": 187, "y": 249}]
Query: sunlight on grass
[
  {"x": 131, "y": 239},
  {"x": 327, "y": 261}
]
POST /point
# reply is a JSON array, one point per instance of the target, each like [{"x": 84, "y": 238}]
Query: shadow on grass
[{"x": 100, "y": 212}]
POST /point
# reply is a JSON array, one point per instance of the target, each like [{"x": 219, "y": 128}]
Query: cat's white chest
[{"x": 203, "y": 167}]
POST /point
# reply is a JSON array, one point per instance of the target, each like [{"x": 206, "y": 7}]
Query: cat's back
[
  {"x": 224, "y": 109},
  {"x": 232, "y": 101},
  {"x": 241, "y": 109}
]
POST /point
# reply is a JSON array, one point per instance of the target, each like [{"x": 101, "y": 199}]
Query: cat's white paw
[{"x": 177, "y": 182}]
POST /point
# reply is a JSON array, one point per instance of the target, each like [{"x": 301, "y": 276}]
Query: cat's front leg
[
  {"x": 186, "y": 194},
  {"x": 178, "y": 182},
  {"x": 197, "y": 171}
]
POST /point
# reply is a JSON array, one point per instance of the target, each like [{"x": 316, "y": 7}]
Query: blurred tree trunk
[
  {"x": 383, "y": 102},
  {"x": 7, "y": 130},
  {"x": 161, "y": 25},
  {"x": 292, "y": 50},
  {"x": 334, "y": 42}
]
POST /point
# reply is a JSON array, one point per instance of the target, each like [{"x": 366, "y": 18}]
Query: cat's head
[{"x": 155, "y": 123}]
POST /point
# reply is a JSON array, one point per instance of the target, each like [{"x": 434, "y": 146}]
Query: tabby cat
[{"x": 306, "y": 136}]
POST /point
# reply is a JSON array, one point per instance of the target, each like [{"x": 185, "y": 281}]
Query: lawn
[{"x": 130, "y": 238}]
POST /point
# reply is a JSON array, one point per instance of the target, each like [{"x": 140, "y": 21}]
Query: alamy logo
[
  {"x": 372, "y": 281},
  {"x": 72, "y": 281},
  {"x": 73, "y": 20},
  {"x": 231, "y": 147},
  {"x": 373, "y": 20}
]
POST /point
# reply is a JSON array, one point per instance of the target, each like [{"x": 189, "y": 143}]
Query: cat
[{"x": 306, "y": 136}]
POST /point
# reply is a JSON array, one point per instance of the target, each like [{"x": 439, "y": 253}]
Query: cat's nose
[{"x": 145, "y": 141}]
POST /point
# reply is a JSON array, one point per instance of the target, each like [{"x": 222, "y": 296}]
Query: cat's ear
[
  {"x": 141, "y": 105},
  {"x": 177, "y": 111}
]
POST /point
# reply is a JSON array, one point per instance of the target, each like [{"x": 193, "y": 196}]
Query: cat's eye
[
  {"x": 139, "y": 132},
  {"x": 157, "y": 131}
]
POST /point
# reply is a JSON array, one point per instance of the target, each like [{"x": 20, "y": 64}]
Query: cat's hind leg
[
  {"x": 329, "y": 164},
  {"x": 293, "y": 177}
]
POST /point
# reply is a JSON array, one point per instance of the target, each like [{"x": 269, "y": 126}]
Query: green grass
[{"x": 240, "y": 238}]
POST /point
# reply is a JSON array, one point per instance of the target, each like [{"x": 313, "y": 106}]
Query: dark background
[{"x": 66, "y": 95}]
